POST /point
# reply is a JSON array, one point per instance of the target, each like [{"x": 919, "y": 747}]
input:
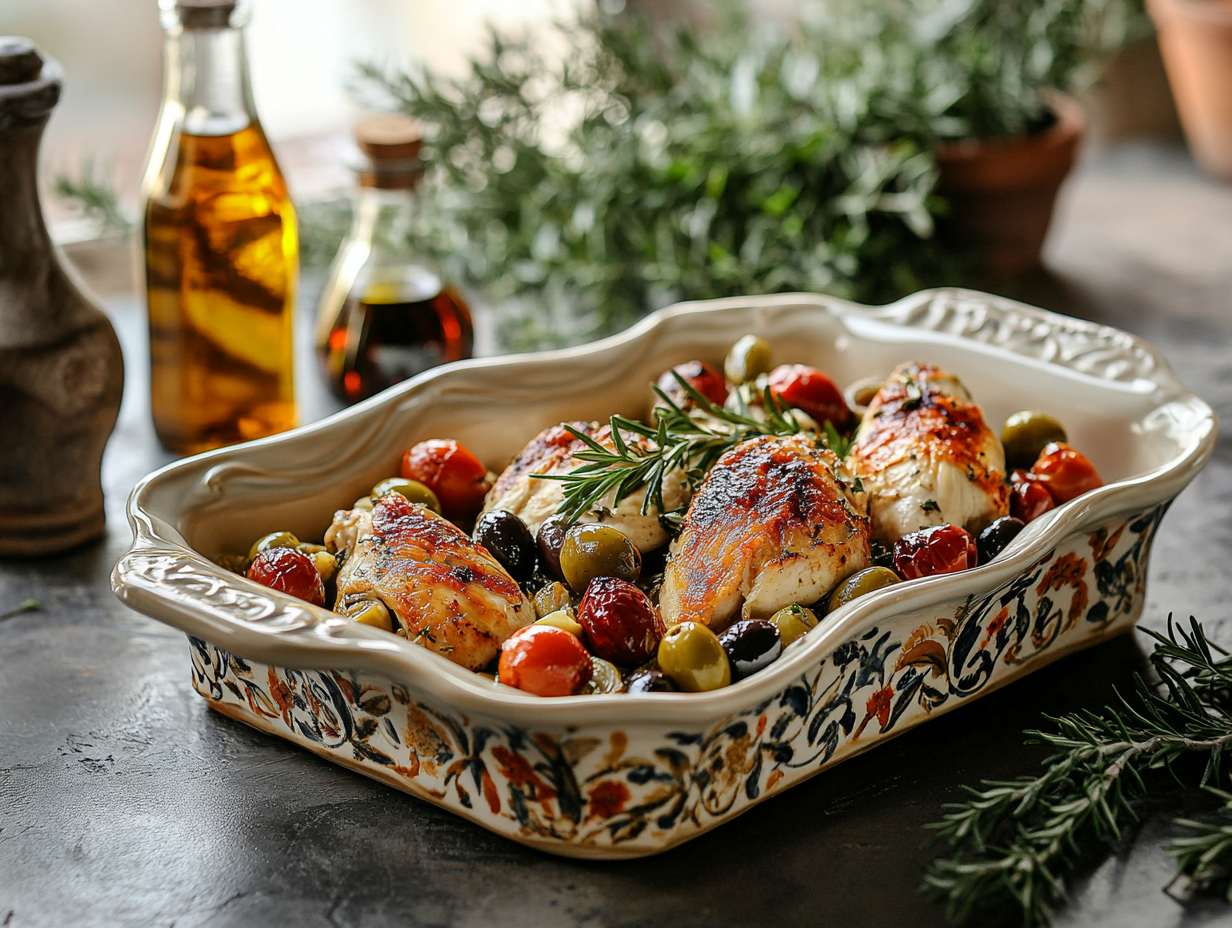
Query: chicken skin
[
  {"x": 444, "y": 591},
  {"x": 926, "y": 456},
  {"x": 771, "y": 525},
  {"x": 521, "y": 490}
]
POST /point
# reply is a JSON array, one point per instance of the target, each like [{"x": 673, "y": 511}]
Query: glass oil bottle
[
  {"x": 221, "y": 244},
  {"x": 385, "y": 314}
]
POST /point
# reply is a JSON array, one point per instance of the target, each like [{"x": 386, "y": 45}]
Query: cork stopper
[
  {"x": 391, "y": 144},
  {"x": 29, "y": 82},
  {"x": 205, "y": 14}
]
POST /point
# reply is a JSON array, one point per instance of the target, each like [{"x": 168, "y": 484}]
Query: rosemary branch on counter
[
  {"x": 1014, "y": 842},
  {"x": 679, "y": 439}
]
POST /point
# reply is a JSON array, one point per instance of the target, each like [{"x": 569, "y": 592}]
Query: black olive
[
  {"x": 550, "y": 540},
  {"x": 751, "y": 644},
  {"x": 881, "y": 555},
  {"x": 650, "y": 681},
  {"x": 994, "y": 539},
  {"x": 509, "y": 541}
]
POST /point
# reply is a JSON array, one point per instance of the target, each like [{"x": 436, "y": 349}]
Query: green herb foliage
[
  {"x": 93, "y": 192},
  {"x": 1015, "y": 842},
  {"x": 643, "y": 455},
  {"x": 646, "y": 168}
]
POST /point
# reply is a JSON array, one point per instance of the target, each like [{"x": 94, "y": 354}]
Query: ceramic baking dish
[{"x": 622, "y": 776}]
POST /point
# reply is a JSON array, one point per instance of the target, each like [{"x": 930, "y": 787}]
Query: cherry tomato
[
  {"x": 545, "y": 660},
  {"x": 699, "y": 375},
  {"x": 1065, "y": 472},
  {"x": 448, "y": 469},
  {"x": 941, "y": 549},
  {"x": 806, "y": 388},
  {"x": 621, "y": 625},
  {"x": 1029, "y": 497},
  {"x": 288, "y": 571}
]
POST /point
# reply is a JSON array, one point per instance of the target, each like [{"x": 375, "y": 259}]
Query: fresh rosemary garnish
[
  {"x": 679, "y": 439},
  {"x": 1015, "y": 842}
]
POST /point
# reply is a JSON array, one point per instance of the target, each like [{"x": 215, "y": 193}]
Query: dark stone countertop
[{"x": 124, "y": 801}]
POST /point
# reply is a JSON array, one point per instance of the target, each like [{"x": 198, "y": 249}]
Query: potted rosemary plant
[{"x": 1009, "y": 134}]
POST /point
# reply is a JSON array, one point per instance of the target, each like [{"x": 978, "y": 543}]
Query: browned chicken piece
[
  {"x": 771, "y": 525},
  {"x": 520, "y": 491},
  {"x": 444, "y": 591},
  {"x": 926, "y": 456}
]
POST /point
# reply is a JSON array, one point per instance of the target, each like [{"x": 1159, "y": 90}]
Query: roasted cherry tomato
[
  {"x": 288, "y": 571},
  {"x": 1065, "y": 472},
  {"x": 701, "y": 377},
  {"x": 448, "y": 469},
  {"x": 1029, "y": 497},
  {"x": 941, "y": 549},
  {"x": 806, "y": 388},
  {"x": 621, "y": 625},
  {"x": 546, "y": 661}
]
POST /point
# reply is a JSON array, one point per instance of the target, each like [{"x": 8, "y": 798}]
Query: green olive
[
  {"x": 1025, "y": 435},
  {"x": 371, "y": 612},
  {"x": 604, "y": 678},
  {"x": 413, "y": 490},
  {"x": 592, "y": 550},
  {"x": 272, "y": 540},
  {"x": 794, "y": 622},
  {"x": 364, "y": 502},
  {"x": 562, "y": 619},
  {"x": 692, "y": 656},
  {"x": 864, "y": 581},
  {"x": 552, "y": 598},
  {"x": 749, "y": 357}
]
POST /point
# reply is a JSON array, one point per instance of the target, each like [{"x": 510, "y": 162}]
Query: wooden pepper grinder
[{"x": 61, "y": 373}]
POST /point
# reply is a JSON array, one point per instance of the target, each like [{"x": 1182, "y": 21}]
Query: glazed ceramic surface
[{"x": 621, "y": 776}]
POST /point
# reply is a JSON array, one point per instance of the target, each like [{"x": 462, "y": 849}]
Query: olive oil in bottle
[
  {"x": 385, "y": 314},
  {"x": 221, "y": 247}
]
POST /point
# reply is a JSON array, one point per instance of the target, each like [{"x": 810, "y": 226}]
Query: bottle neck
[
  {"x": 207, "y": 80},
  {"x": 384, "y": 219}
]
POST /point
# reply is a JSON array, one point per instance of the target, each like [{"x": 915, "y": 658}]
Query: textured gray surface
[{"x": 124, "y": 801}]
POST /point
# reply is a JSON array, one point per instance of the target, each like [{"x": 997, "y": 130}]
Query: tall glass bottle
[
  {"x": 385, "y": 314},
  {"x": 221, "y": 245}
]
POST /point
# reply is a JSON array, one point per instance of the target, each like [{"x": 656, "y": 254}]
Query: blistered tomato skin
[
  {"x": 1066, "y": 472},
  {"x": 806, "y": 388},
  {"x": 288, "y": 571},
  {"x": 941, "y": 549},
  {"x": 621, "y": 624},
  {"x": 1029, "y": 497},
  {"x": 751, "y": 645},
  {"x": 546, "y": 661},
  {"x": 448, "y": 469},
  {"x": 699, "y": 375}
]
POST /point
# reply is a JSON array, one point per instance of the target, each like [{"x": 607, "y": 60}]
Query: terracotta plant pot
[
  {"x": 1002, "y": 191},
  {"x": 1195, "y": 37}
]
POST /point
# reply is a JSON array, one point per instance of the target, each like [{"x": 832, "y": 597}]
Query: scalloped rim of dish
[{"x": 328, "y": 641}]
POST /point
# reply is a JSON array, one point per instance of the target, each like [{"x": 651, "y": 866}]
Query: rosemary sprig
[
  {"x": 1014, "y": 842},
  {"x": 679, "y": 439},
  {"x": 1204, "y": 859}
]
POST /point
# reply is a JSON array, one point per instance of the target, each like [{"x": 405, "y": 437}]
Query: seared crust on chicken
[
  {"x": 926, "y": 456},
  {"x": 446, "y": 592},
  {"x": 520, "y": 491},
  {"x": 771, "y": 525}
]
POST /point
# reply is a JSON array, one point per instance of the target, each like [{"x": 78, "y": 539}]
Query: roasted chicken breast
[
  {"x": 771, "y": 525},
  {"x": 446, "y": 592},
  {"x": 520, "y": 491},
  {"x": 926, "y": 456}
]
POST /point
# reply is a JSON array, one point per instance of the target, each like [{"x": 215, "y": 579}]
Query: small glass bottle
[
  {"x": 385, "y": 315},
  {"x": 221, "y": 244}
]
